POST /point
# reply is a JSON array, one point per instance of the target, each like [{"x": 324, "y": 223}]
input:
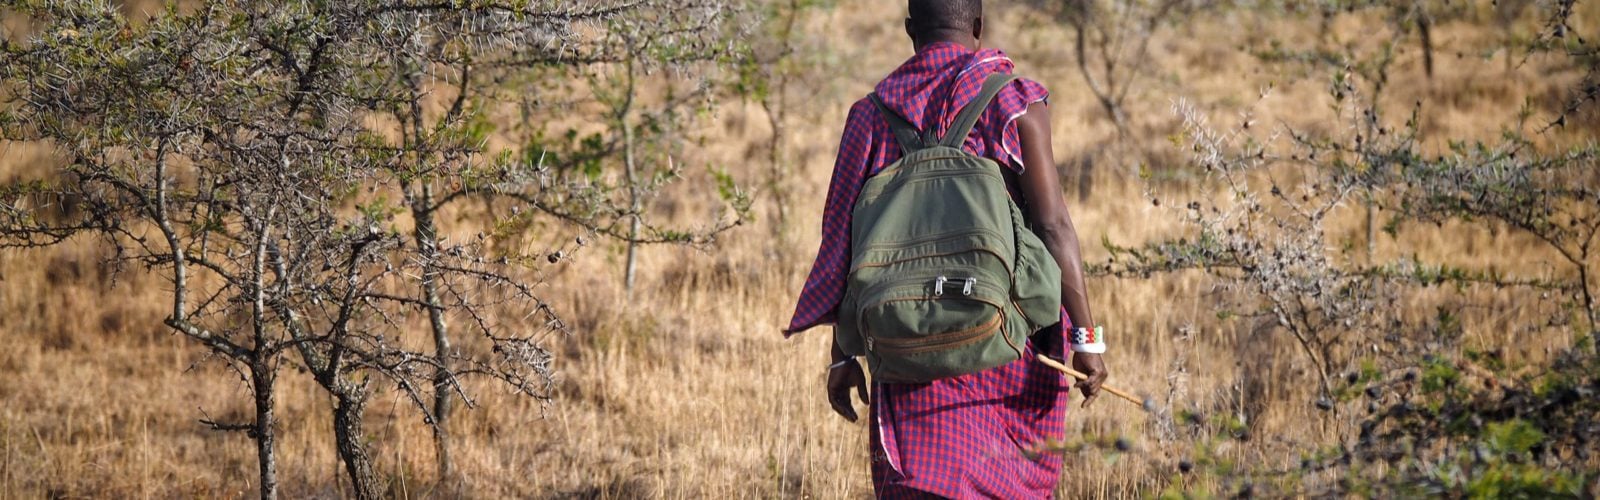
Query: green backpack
[{"x": 945, "y": 277}]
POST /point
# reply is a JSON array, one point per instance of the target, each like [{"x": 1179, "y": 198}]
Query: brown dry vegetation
[{"x": 684, "y": 388}]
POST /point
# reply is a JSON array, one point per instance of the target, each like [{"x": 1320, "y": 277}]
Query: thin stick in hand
[{"x": 1080, "y": 376}]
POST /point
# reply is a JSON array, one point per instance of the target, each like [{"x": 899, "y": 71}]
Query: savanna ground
[{"x": 683, "y": 387}]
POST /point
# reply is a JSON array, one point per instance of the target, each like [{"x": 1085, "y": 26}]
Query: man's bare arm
[{"x": 1047, "y": 209}]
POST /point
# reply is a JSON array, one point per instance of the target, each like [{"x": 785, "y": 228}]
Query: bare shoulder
[{"x": 1035, "y": 119}]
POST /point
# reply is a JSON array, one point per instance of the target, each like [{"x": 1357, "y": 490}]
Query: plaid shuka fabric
[
  {"x": 970, "y": 436},
  {"x": 980, "y": 435}
]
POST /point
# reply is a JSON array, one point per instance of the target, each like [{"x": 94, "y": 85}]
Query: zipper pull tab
[
  {"x": 967, "y": 290},
  {"x": 938, "y": 286}
]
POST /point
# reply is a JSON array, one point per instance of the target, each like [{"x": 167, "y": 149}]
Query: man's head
[{"x": 959, "y": 21}]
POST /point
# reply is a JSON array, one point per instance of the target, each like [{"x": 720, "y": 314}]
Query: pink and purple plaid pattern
[
  {"x": 961, "y": 437},
  {"x": 930, "y": 87}
]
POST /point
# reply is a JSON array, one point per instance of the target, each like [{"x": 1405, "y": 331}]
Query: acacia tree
[
  {"x": 1111, "y": 46},
  {"x": 1263, "y": 230},
  {"x": 1111, "y": 43},
  {"x": 1269, "y": 227},
  {"x": 771, "y": 67},
  {"x": 481, "y": 59},
  {"x": 240, "y": 150},
  {"x": 1268, "y": 241}
]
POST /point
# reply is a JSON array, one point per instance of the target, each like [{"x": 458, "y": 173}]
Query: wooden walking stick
[{"x": 1148, "y": 405}]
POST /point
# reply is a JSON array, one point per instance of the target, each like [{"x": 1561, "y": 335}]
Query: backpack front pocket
[{"x": 926, "y": 327}]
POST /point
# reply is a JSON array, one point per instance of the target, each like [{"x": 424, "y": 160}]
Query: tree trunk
[
  {"x": 428, "y": 247},
  {"x": 1086, "y": 175},
  {"x": 633, "y": 182},
  {"x": 263, "y": 378},
  {"x": 441, "y": 414},
  {"x": 1372, "y": 230},
  {"x": 776, "y": 106},
  {"x": 1104, "y": 95},
  {"x": 1425, "y": 32},
  {"x": 347, "y": 418},
  {"x": 1591, "y": 309},
  {"x": 775, "y": 173},
  {"x": 633, "y": 204}
]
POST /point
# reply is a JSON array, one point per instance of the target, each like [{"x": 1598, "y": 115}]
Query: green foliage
[
  {"x": 768, "y": 62},
  {"x": 1522, "y": 481},
  {"x": 1438, "y": 375},
  {"x": 1205, "y": 252},
  {"x": 1514, "y": 436},
  {"x": 574, "y": 153},
  {"x": 727, "y": 188},
  {"x": 379, "y": 208},
  {"x": 470, "y": 131}
]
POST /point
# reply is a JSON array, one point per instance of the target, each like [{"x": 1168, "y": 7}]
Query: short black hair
[{"x": 943, "y": 15}]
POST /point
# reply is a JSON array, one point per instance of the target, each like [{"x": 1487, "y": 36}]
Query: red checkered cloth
[{"x": 963, "y": 437}]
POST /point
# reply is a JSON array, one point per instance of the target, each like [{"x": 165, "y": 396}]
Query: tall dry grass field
[{"x": 683, "y": 387}]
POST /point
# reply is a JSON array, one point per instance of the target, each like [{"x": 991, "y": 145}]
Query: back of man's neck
[{"x": 968, "y": 42}]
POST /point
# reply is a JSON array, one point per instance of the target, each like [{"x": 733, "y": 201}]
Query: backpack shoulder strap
[
  {"x": 910, "y": 139},
  {"x": 968, "y": 117}
]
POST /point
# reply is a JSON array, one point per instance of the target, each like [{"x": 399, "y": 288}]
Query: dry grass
[{"x": 685, "y": 388}]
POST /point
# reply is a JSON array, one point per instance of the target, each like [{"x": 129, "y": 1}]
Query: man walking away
[{"x": 977, "y": 434}]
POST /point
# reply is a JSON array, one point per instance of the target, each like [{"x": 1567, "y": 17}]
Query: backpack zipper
[
  {"x": 938, "y": 285},
  {"x": 948, "y": 340},
  {"x": 922, "y": 279}
]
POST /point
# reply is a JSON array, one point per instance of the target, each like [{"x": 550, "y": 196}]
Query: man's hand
[
  {"x": 840, "y": 380},
  {"x": 1090, "y": 365}
]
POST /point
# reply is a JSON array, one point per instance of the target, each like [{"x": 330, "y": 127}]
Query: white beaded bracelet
[{"x": 1088, "y": 341}]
